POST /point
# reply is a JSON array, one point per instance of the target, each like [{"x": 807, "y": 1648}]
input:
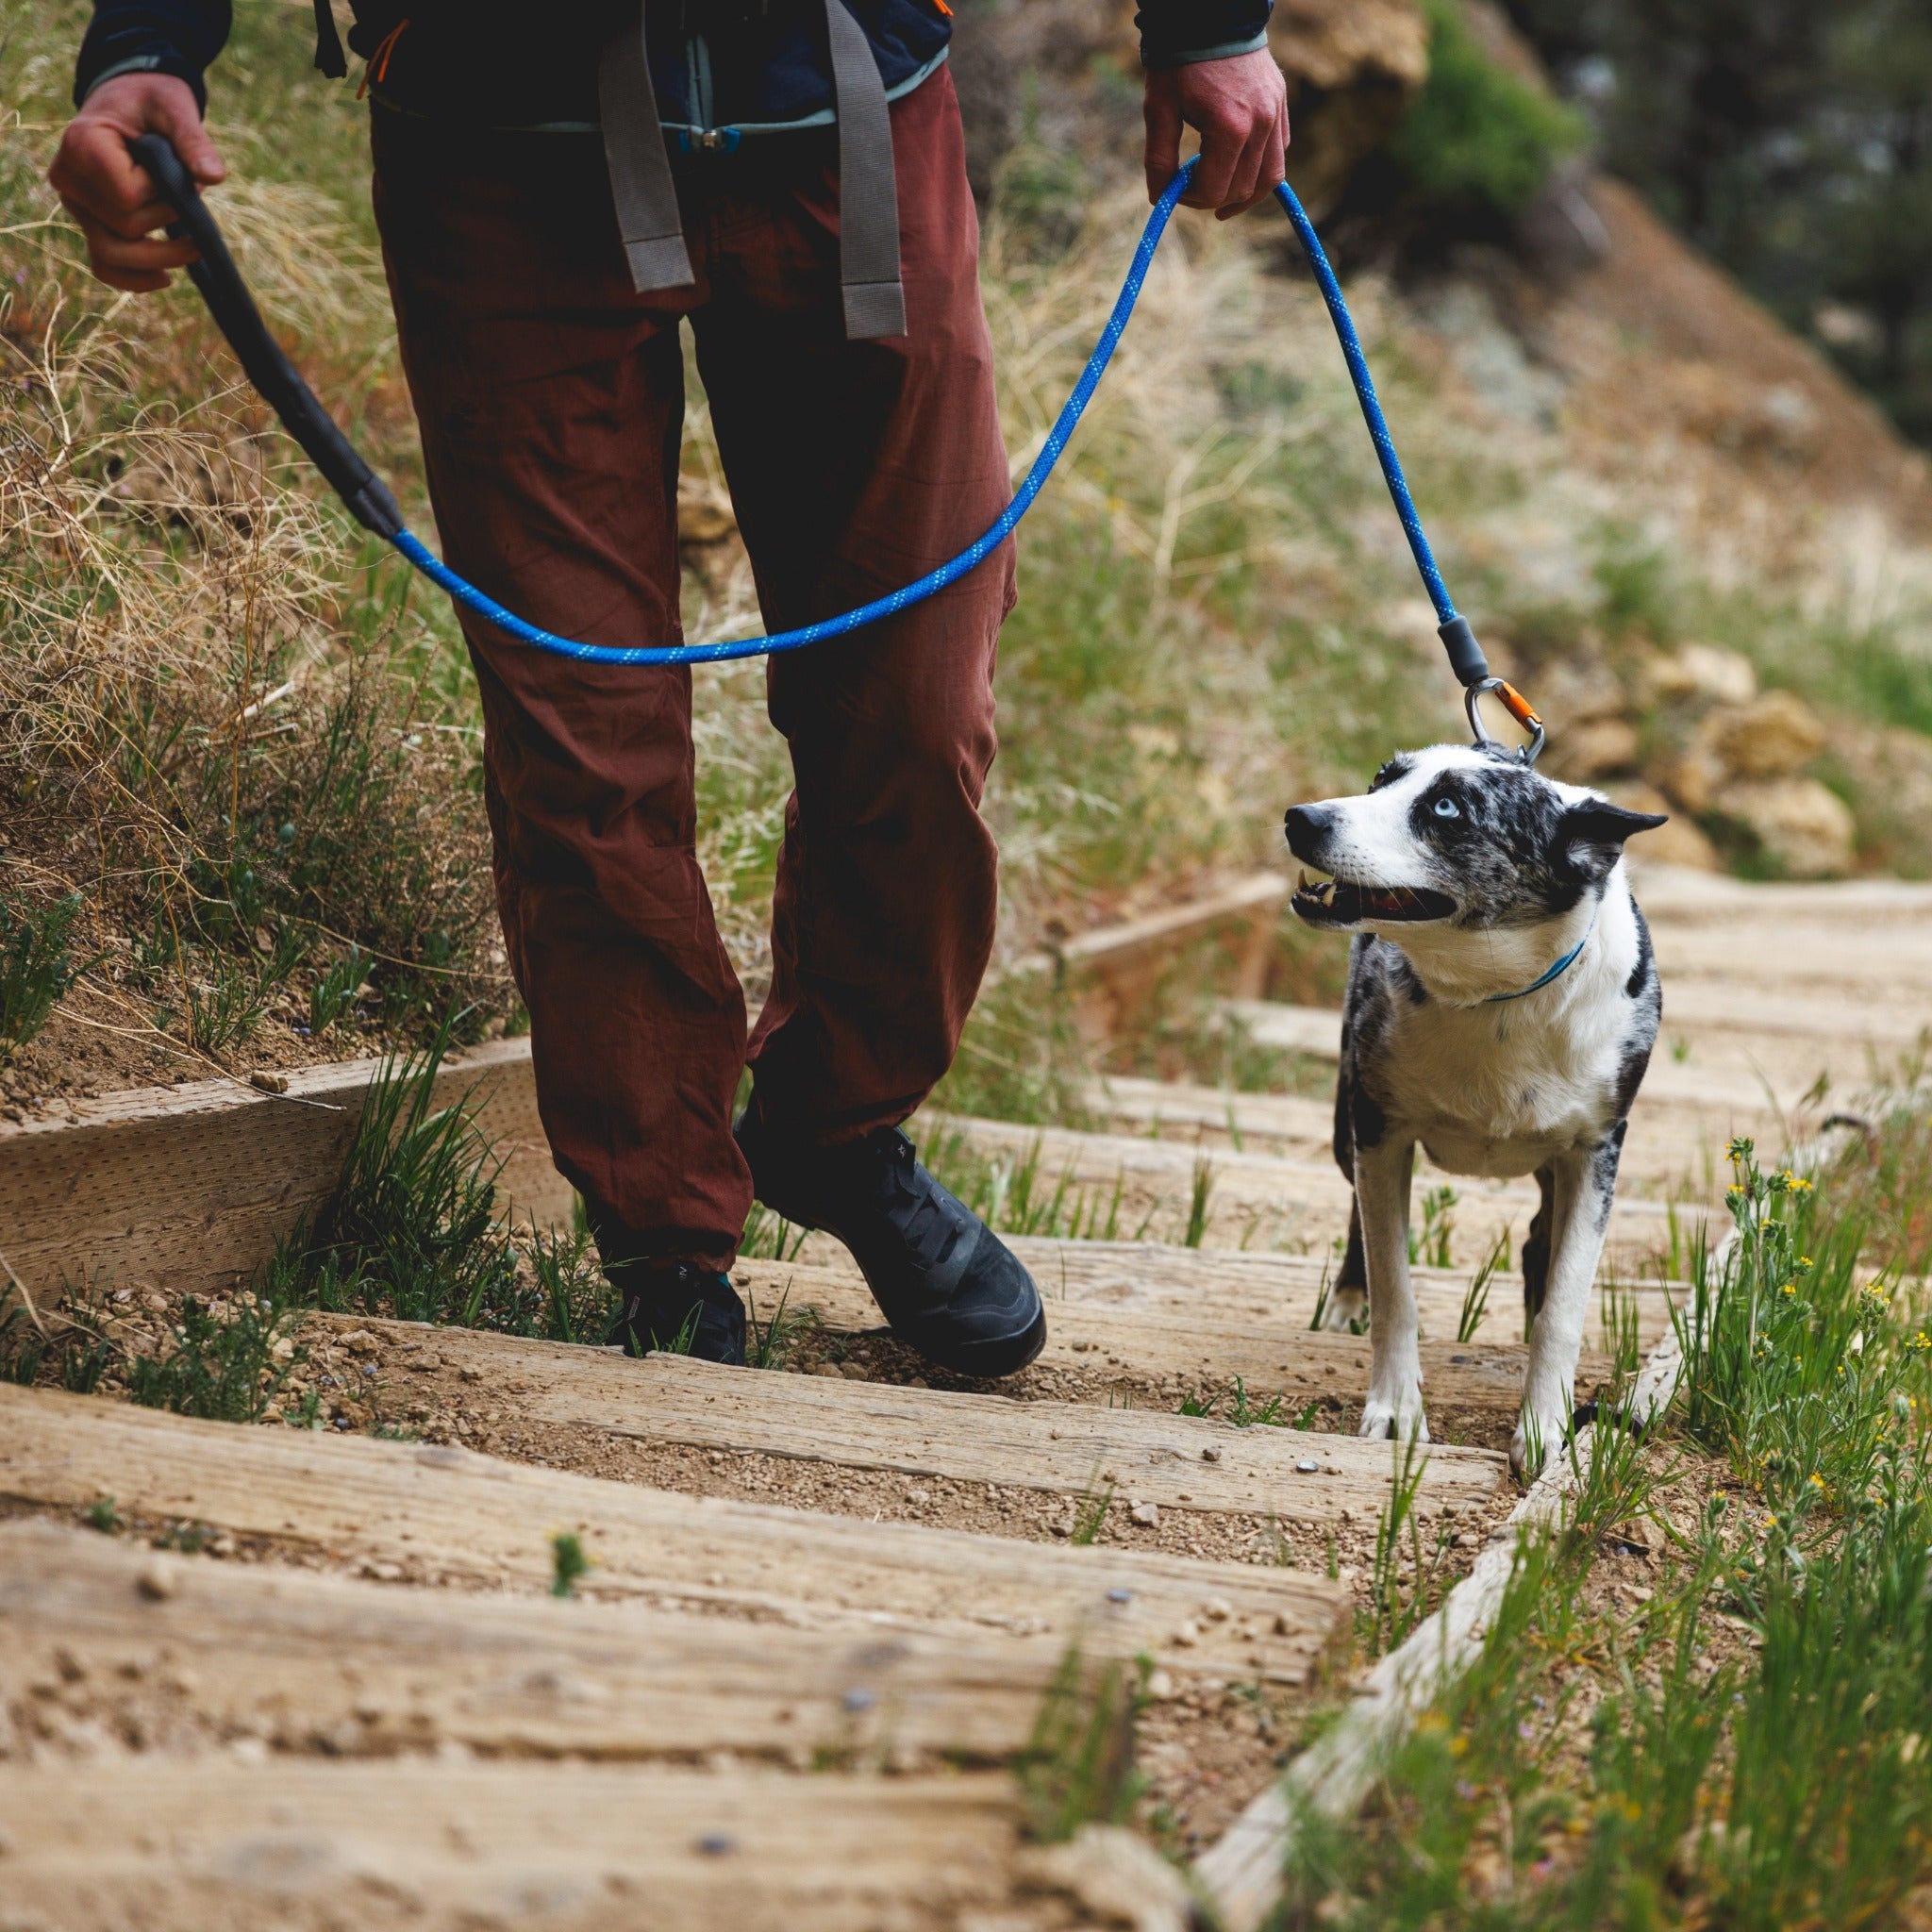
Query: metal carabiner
[{"x": 1516, "y": 705}]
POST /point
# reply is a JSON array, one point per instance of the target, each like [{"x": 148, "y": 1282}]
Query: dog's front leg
[
  {"x": 1583, "y": 1182},
  {"x": 1382, "y": 1175}
]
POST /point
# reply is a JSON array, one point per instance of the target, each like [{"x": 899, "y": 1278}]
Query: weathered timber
[
  {"x": 214, "y": 1845},
  {"x": 186, "y": 1186},
  {"x": 1207, "y": 1345},
  {"x": 1268, "y": 1294},
  {"x": 1063, "y": 1448},
  {"x": 1307, "y": 1198},
  {"x": 356, "y": 1669},
  {"x": 448, "y": 1513}
]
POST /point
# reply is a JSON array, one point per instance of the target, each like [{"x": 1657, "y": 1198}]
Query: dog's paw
[
  {"x": 1538, "y": 1438},
  {"x": 1346, "y": 1311},
  {"x": 1399, "y": 1419}
]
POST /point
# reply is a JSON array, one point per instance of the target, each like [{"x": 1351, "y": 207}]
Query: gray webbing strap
[
  {"x": 639, "y": 169},
  {"x": 868, "y": 185}
]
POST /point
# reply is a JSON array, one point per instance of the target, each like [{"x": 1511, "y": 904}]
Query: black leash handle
[{"x": 274, "y": 375}]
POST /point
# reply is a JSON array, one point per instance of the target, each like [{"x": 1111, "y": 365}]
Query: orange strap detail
[{"x": 378, "y": 68}]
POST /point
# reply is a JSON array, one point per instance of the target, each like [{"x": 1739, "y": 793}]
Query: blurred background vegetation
[{"x": 1793, "y": 143}]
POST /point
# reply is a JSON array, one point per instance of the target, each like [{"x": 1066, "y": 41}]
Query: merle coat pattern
[{"x": 1465, "y": 876}]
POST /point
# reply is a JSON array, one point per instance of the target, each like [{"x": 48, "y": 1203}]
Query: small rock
[
  {"x": 1596, "y": 750},
  {"x": 424, "y": 1362},
  {"x": 157, "y": 1581},
  {"x": 919, "y": 1496},
  {"x": 1160, "y": 1686},
  {"x": 1210, "y": 1453},
  {"x": 1148, "y": 1514},
  {"x": 473, "y": 1374},
  {"x": 1217, "y": 1609},
  {"x": 1809, "y": 829},
  {"x": 1725, "y": 675},
  {"x": 853, "y": 1371},
  {"x": 269, "y": 1083},
  {"x": 830, "y": 1369},
  {"x": 1774, "y": 736},
  {"x": 1186, "y": 1635}
]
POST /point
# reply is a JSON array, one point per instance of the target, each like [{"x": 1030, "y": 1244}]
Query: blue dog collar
[{"x": 1556, "y": 972}]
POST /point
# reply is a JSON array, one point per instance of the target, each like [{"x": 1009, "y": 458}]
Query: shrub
[{"x": 1479, "y": 137}]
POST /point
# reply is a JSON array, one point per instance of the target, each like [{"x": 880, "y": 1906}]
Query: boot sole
[{"x": 989, "y": 1360}]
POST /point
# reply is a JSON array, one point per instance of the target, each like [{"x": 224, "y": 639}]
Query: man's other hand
[
  {"x": 113, "y": 199},
  {"x": 1241, "y": 107}
]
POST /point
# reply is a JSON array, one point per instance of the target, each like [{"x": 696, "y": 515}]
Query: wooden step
[
  {"x": 1277, "y": 1202},
  {"x": 1205, "y": 1346},
  {"x": 306, "y": 1662},
  {"x": 444, "y": 1513},
  {"x": 213, "y": 1844},
  {"x": 1070, "y": 1449},
  {"x": 1245, "y": 1292},
  {"x": 1677, "y": 895},
  {"x": 188, "y": 1187}
]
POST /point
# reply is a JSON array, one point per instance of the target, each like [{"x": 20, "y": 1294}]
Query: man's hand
[
  {"x": 1241, "y": 106},
  {"x": 113, "y": 199}
]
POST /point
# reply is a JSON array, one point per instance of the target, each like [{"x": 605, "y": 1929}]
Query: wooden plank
[
  {"x": 187, "y": 1186},
  {"x": 442, "y": 1512},
  {"x": 211, "y": 1845},
  {"x": 1232, "y": 1288},
  {"x": 323, "y": 1663},
  {"x": 1062, "y": 1448},
  {"x": 1305, "y": 1199},
  {"x": 1201, "y": 1345},
  {"x": 1676, "y": 895}
]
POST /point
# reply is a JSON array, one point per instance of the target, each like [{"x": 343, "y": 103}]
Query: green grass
[
  {"x": 1079, "y": 1765},
  {"x": 568, "y": 1564},
  {"x": 37, "y": 966}
]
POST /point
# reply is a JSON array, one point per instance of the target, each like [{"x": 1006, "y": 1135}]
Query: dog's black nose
[{"x": 1308, "y": 827}]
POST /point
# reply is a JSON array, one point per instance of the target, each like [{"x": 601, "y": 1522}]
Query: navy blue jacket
[{"x": 758, "y": 62}]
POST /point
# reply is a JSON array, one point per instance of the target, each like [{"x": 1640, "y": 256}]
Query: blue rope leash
[
  {"x": 369, "y": 501},
  {"x": 976, "y": 552}
]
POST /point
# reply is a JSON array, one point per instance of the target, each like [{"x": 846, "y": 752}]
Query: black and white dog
[{"x": 1503, "y": 1001}]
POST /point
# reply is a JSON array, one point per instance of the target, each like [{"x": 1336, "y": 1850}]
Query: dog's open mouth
[{"x": 1341, "y": 902}]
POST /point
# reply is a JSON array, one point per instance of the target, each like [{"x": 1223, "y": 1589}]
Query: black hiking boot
[
  {"x": 677, "y": 1309},
  {"x": 947, "y": 1285}
]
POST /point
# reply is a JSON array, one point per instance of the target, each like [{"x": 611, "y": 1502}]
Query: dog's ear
[{"x": 1590, "y": 837}]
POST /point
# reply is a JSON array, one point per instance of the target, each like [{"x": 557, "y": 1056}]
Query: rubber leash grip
[
  {"x": 275, "y": 377},
  {"x": 1465, "y": 654}
]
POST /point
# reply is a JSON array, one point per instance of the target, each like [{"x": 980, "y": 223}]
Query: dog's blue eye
[{"x": 1448, "y": 809}]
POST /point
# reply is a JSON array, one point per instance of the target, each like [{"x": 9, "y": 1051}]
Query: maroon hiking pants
[{"x": 551, "y": 402}]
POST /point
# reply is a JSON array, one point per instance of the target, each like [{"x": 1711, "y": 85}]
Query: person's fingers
[
  {"x": 1162, "y": 111},
  {"x": 181, "y": 123},
  {"x": 144, "y": 255},
  {"x": 1220, "y": 153},
  {"x": 97, "y": 178},
  {"x": 1273, "y": 169},
  {"x": 1244, "y": 181}
]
